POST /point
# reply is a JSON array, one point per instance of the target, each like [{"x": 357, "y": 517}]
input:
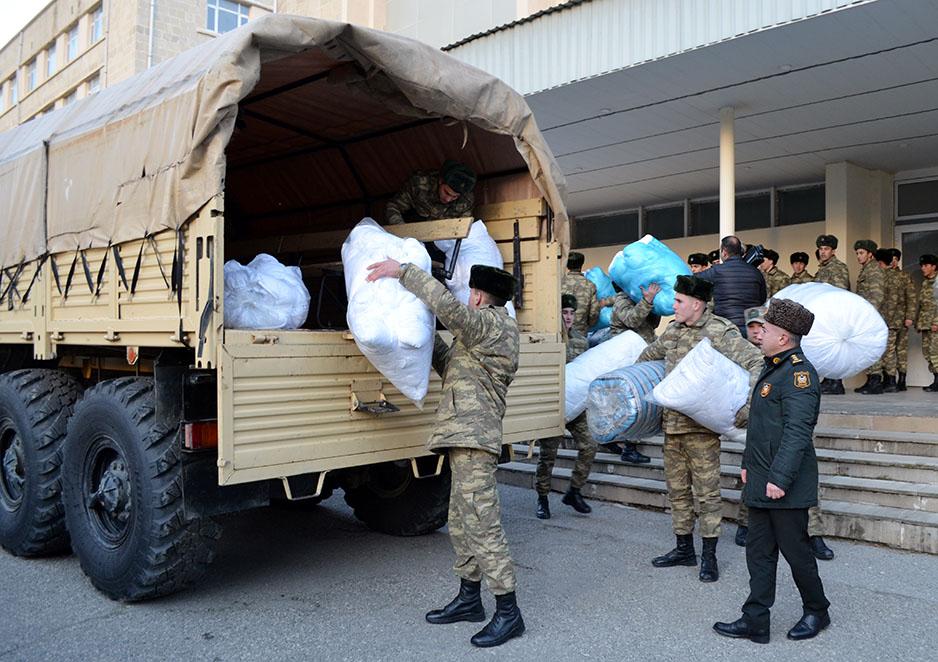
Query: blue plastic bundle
[
  {"x": 599, "y": 336},
  {"x": 644, "y": 262},
  {"x": 604, "y": 289},
  {"x": 616, "y": 406}
]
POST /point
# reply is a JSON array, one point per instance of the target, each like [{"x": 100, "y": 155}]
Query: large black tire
[
  {"x": 34, "y": 409},
  {"x": 122, "y": 479},
  {"x": 392, "y": 501}
]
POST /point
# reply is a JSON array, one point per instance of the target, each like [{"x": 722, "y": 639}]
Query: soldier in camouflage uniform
[
  {"x": 429, "y": 196},
  {"x": 871, "y": 285},
  {"x": 893, "y": 312},
  {"x": 927, "y": 322},
  {"x": 776, "y": 280},
  {"x": 799, "y": 269},
  {"x": 698, "y": 262},
  {"x": 476, "y": 369},
  {"x": 576, "y": 284},
  {"x": 909, "y": 300},
  {"x": 832, "y": 271},
  {"x": 586, "y": 445},
  {"x": 691, "y": 451}
]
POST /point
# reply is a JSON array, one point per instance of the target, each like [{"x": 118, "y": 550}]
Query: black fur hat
[
  {"x": 698, "y": 258},
  {"x": 769, "y": 254},
  {"x": 928, "y": 258},
  {"x": 799, "y": 256},
  {"x": 575, "y": 260},
  {"x": 713, "y": 256},
  {"x": 884, "y": 255},
  {"x": 827, "y": 240},
  {"x": 694, "y": 287},
  {"x": 458, "y": 176},
  {"x": 866, "y": 244},
  {"x": 789, "y": 315},
  {"x": 497, "y": 282},
  {"x": 568, "y": 301}
]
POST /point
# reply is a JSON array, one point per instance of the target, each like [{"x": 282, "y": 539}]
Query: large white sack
[
  {"x": 392, "y": 327},
  {"x": 707, "y": 387},
  {"x": 618, "y": 409},
  {"x": 477, "y": 248},
  {"x": 617, "y": 352},
  {"x": 264, "y": 294},
  {"x": 848, "y": 335}
]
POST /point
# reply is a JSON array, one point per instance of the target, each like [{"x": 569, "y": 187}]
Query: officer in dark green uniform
[{"x": 780, "y": 473}]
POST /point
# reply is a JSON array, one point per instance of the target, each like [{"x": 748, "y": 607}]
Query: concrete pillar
[{"x": 727, "y": 171}]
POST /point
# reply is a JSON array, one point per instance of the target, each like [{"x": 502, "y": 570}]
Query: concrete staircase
[{"x": 878, "y": 477}]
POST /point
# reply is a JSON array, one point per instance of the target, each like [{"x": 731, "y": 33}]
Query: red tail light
[{"x": 201, "y": 435}]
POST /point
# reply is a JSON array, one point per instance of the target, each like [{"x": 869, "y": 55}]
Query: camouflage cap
[
  {"x": 497, "y": 282},
  {"x": 866, "y": 244},
  {"x": 790, "y": 315},
  {"x": 458, "y": 176},
  {"x": 799, "y": 256},
  {"x": 568, "y": 301},
  {"x": 755, "y": 314}
]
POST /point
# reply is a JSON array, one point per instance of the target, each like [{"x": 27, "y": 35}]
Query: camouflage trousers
[
  {"x": 896, "y": 357},
  {"x": 586, "y": 451},
  {"x": 815, "y": 527},
  {"x": 475, "y": 524},
  {"x": 930, "y": 350},
  {"x": 692, "y": 469}
]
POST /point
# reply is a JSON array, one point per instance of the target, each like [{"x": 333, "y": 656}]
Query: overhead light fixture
[
  {"x": 605, "y": 110},
  {"x": 785, "y": 68}
]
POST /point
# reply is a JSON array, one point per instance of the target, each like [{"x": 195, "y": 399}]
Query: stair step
[{"x": 877, "y": 441}]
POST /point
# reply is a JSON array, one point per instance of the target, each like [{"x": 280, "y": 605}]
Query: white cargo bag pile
[
  {"x": 617, "y": 352},
  {"x": 477, "y": 248},
  {"x": 264, "y": 294},
  {"x": 392, "y": 327},
  {"x": 848, "y": 335},
  {"x": 707, "y": 387}
]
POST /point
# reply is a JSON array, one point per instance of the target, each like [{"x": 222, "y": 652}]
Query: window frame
[
  {"x": 51, "y": 59},
  {"x": 71, "y": 43},
  {"x": 96, "y": 31},
  {"x": 214, "y": 8}
]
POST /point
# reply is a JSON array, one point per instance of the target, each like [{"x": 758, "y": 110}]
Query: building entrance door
[{"x": 914, "y": 241}]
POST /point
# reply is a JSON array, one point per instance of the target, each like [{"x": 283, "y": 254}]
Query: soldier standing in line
[
  {"x": 893, "y": 312},
  {"x": 799, "y": 269},
  {"x": 909, "y": 299},
  {"x": 691, "y": 451},
  {"x": 584, "y": 291},
  {"x": 832, "y": 271},
  {"x": 714, "y": 256},
  {"x": 698, "y": 262},
  {"x": 430, "y": 196},
  {"x": 927, "y": 323},
  {"x": 871, "y": 285},
  {"x": 586, "y": 445},
  {"x": 776, "y": 280},
  {"x": 476, "y": 369}
]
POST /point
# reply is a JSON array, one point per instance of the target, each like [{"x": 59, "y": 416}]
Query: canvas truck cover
[{"x": 146, "y": 154}]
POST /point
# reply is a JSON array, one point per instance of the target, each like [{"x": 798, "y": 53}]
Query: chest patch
[
  {"x": 802, "y": 380},
  {"x": 766, "y": 389}
]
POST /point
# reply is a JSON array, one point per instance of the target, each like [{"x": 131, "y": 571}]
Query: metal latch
[
  {"x": 367, "y": 397},
  {"x": 264, "y": 339},
  {"x": 416, "y": 469}
]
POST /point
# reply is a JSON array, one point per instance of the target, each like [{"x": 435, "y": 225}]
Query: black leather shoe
[
  {"x": 611, "y": 447},
  {"x": 682, "y": 554},
  {"x": 740, "y": 630},
  {"x": 709, "y": 571},
  {"x": 506, "y": 623},
  {"x": 742, "y": 532},
  {"x": 466, "y": 606},
  {"x": 900, "y": 383},
  {"x": 889, "y": 384},
  {"x": 543, "y": 507},
  {"x": 820, "y": 549},
  {"x": 864, "y": 386},
  {"x": 809, "y": 626},
  {"x": 574, "y": 499},
  {"x": 631, "y": 455}
]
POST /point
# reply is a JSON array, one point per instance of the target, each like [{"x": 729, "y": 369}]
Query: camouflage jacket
[
  {"x": 895, "y": 299},
  {"x": 833, "y": 272},
  {"x": 871, "y": 284},
  {"x": 910, "y": 301},
  {"x": 776, "y": 280},
  {"x": 678, "y": 339},
  {"x": 476, "y": 369},
  {"x": 576, "y": 344},
  {"x": 587, "y": 306},
  {"x": 420, "y": 198},
  {"x": 635, "y": 316},
  {"x": 927, "y": 310},
  {"x": 803, "y": 277}
]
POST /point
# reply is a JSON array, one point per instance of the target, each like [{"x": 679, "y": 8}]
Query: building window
[
  {"x": 665, "y": 222},
  {"x": 753, "y": 212},
  {"x": 225, "y": 15},
  {"x": 606, "y": 230},
  {"x": 3, "y": 98},
  {"x": 96, "y": 25},
  {"x": 72, "y": 43},
  {"x": 14, "y": 91},
  {"x": 50, "y": 60},
  {"x": 917, "y": 200},
  {"x": 704, "y": 218},
  {"x": 801, "y": 205},
  {"x": 31, "y": 76},
  {"x": 94, "y": 83},
  {"x": 70, "y": 98}
]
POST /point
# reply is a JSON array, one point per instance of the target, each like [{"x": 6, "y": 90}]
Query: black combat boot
[
  {"x": 820, "y": 549},
  {"x": 742, "y": 533},
  {"x": 889, "y": 384},
  {"x": 631, "y": 455},
  {"x": 683, "y": 554},
  {"x": 900, "y": 383},
  {"x": 543, "y": 507},
  {"x": 931, "y": 388},
  {"x": 837, "y": 387},
  {"x": 466, "y": 606},
  {"x": 874, "y": 385},
  {"x": 506, "y": 623},
  {"x": 709, "y": 572},
  {"x": 862, "y": 388},
  {"x": 574, "y": 499}
]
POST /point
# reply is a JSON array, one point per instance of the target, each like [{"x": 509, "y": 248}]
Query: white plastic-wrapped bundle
[
  {"x": 707, "y": 387},
  {"x": 477, "y": 248},
  {"x": 644, "y": 262},
  {"x": 264, "y": 294},
  {"x": 617, "y": 352},
  {"x": 617, "y": 409},
  {"x": 848, "y": 335},
  {"x": 392, "y": 327}
]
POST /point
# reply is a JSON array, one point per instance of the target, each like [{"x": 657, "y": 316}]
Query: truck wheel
[
  {"x": 122, "y": 479},
  {"x": 34, "y": 409},
  {"x": 392, "y": 501}
]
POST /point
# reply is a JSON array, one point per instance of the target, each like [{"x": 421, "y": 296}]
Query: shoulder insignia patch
[
  {"x": 795, "y": 359},
  {"x": 766, "y": 389},
  {"x": 802, "y": 379}
]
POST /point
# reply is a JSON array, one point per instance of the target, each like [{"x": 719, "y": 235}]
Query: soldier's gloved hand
[{"x": 742, "y": 417}]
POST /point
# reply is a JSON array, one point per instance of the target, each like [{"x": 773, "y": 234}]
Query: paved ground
[{"x": 318, "y": 586}]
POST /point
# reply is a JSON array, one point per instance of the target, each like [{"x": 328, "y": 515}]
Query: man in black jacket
[
  {"x": 780, "y": 473},
  {"x": 736, "y": 284}
]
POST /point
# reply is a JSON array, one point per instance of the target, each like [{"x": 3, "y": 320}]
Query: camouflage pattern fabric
[
  {"x": 815, "y": 526},
  {"x": 637, "y": 317},
  {"x": 893, "y": 308},
  {"x": 475, "y": 525},
  {"x": 678, "y": 339},
  {"x": 692, "y": 467},
  {"x": 927, "y": 311},
  {"x": 420, "y": 197},
  {"x": 930, "y": 350},
  {"x": 576, "y": 344},
  {"x": 871, "y": 285},
  {"x": 799, "y": 279},
  {"x": 834, "y": 272},
  {"x": 476, "y": 369},
  {"x": 586, "y": 453},
  {"x": 911, "y": 294},
  {"x": 776, "y": 280},
  {"x": 587, "y": 306}
]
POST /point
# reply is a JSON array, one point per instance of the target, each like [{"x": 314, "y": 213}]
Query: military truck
[{"x": 130, "y": 417}]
